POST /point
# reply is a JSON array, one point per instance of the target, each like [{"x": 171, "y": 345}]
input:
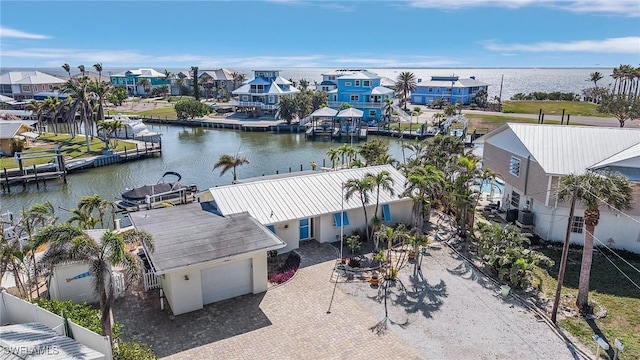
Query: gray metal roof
[
  {"x": 362, "y": 74},
  {"x": 186, "y": 235},
  {"x": 9, "y": 129},
  {"x": 276, "y": 200},
  {"x": 21, "y": 337},
  {"x": 564, "y": 150},
  {"x": 350, "y": 113},
  {"x": 29, "y": 77},
  {"x": 380, "y": 90}
]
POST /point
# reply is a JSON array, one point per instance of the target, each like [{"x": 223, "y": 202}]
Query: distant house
[
  {"x": 362, "y": 90},
  {"x": 130, "y": 80},
  {"x": 263, "y": 92},
  {"x": 303, "y": 207},
  {"x": 330, "y": 80},
  {"x": 201, "y": 258},
  {"x": 10, "y": 130},
  {"x": 23, "y": 85},
  {"x": 452, "y": 89},
  {"x": 213, "y": 80},
  {"x": 533, "y": 158}
]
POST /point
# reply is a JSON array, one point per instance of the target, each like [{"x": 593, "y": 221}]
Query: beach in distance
[{"x": 516, "y": 80}]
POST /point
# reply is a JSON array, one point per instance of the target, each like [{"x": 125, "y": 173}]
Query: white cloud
[
  {"x": 13, "y": 33},
  {"x": 619, "y": 7},
  {"x": 621, "y": 45}
]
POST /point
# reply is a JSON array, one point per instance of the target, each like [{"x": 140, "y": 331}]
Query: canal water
[{"x": 191, "y": 152}]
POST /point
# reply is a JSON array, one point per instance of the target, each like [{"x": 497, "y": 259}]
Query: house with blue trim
[
  {"x": 362, "y": 90},
  {"x": 452, "y": 89},
  {"x": 263, "y": 93},
  {"x": 130, "y": 80}
]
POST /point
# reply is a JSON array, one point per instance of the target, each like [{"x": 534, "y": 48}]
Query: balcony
[
  {"x": 256, "y": 104},
  {"x": 358, "y": 105}
]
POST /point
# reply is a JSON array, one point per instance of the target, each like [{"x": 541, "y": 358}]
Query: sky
[{"x": 307, "y": 33}]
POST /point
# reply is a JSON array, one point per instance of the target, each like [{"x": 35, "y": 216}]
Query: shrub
[
  {"x": 354, "y": 262},
  {"x": 83, "y": 314},
  {"x": 354, "y": 243},
  {"x": 133, "y": 350},
  {"x": 287, "y": 270}
]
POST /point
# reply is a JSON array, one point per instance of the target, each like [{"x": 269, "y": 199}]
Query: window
[
  {"x": 26, "y": 88},
  {"x": 515, "y": 199},
  {"x": 348, "y": 83},
  {"x": 245, "y": 97},
  {"x": 6, "y": 88},
  {"x": 50, "y": 87},
  {"x": 386, "y": 213},
  {"x": 355, "y": 97},
  {"x": 514, "y": 166},
  {"x": 271, "y": 228},
  {"x": 577, "y": 224},
  {"x": 357, "y": 82},
  {"x": 337, "y": 219},
  {"x": 272, "y": 99},
  {"x": 366, "y": 83}
]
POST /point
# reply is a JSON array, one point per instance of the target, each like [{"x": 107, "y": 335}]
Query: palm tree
[
  {"x": 82, "y": 96},
  {"x": 423, "y": 182},
  {"x": 89, "y": 204},
  {"x": 382, "y": 180},
  {"x": 98, "y": 67},
  {"x": 361, "y": 187},
  {"x": 230, "y": 162},
  {"x": 304, "y": 84},
  {"x": 595, "y": 77},
  {"x": 53, "y": 106},
  {"x": 82, "y": 70},
  {"x": 37, "y": 108},
  {"x": 333, "y": 154},
  {"x": 13, "y": 259},
  {"x": 593, "y": 189},
  {"x": 67, "y": 68},
  {"x": 387, "y": 110},
  {"x": 146, "y": 85},
  {"x": 346, "y": 152},
  {"x": 67, "y": 243},
  {"x": 406, "y": 83}
]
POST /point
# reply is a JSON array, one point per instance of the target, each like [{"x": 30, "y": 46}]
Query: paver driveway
[{"x": 287, "y": 322}]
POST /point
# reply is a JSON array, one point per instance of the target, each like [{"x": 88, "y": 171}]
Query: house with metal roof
[
  {"x": 532, "y": 158},
  {"x": 212, "y": 81},
  {"x": 310, "y": 206},
  {"x": 23, "y": 85},
  {"x": 362, "y": 90},
  {"x": 29, "y": 332},
  {"x": 131, "y": 79},
  {"x": 453, "y": 89},
  {"x": 263, "y": 93},
  {"x": 13, "y": 129},
  {"x": 200, "y": 257}
]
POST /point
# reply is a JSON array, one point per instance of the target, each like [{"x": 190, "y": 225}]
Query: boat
[
  {"x": 162, "y": 193},
  {"x": 432, "y": 131},
  {"x": 134, "y": 128}
]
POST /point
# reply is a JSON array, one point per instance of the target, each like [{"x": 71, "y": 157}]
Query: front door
[{"x": 305, "y": 229}]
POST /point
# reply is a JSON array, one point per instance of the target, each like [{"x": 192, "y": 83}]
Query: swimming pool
[{"x": 497, "y": 185}]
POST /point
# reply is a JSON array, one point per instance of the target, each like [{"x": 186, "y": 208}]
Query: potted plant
[
  {"x": 374, "y": 280},
  {"x": 417, "y": 241}
]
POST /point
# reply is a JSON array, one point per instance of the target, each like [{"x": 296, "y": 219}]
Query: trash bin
[
  {"x": 512, "y": 215},
  {"x": 504, "y": 290}
]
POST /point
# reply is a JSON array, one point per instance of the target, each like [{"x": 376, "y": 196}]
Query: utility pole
[{"x": 565, "y": 252}]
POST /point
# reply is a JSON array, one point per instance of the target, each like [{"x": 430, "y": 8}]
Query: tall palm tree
[
  {"x": 82, "y": 70},
  {"x": 94, "y": 203},
  {"x": 592, "y": 190},
  {"x": 98, "y": 67},
  {"x": 67, "y": 243},
  {"x": 52, "y": 104},
  {"x": 423, "y": 183},
  {"x": 361, "y": 188},
  {"x": 334, "y": 155},
  {"x": 146, "y": 85},
  {"x": 82, "y": 96},
  {"x": 304, "y": 84},
  {"x": 230, "y": 162},
  {"x": 38, "y": 109},
  {"x": 382, "y": 180},
  {"x": 67, "y": 68},
  {"x": 346, "y": 152},
  {"x": 101, "y": 90},
  {"x": 595, "y": 77},
  {"x": 406, "y": 83}
]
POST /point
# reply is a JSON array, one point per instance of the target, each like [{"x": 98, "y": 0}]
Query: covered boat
[{"x": 159, "y": 194}]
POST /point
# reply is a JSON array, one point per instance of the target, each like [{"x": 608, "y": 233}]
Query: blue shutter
[
  {"x": 386, "y": 213},
  {"x": 346, "y": 218},
  {"x": 272, "y": 228}
]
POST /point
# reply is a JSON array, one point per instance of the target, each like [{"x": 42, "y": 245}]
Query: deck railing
[{"x": 358, "y": 105}]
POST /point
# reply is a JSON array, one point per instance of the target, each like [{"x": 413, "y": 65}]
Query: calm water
[
  {"x": 516, "y": 80},
  {"x": 191, "y": 152}
]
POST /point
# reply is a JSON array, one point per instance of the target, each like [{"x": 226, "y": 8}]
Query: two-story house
[
  {"x": 362, "y": 90},
  {"x": 23, "y": 85},
  {"x": 452, "y": 89},
  {"x": 214, "y": 80},
  {"x": 330, "y": 80},
  {"x": 531, "y": 159},
  {"x": 132, "y": 81},
  {"x": 263, "y": 92}
]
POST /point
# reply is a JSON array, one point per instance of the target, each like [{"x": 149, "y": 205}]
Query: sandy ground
[{"x": 451, "y": 311}]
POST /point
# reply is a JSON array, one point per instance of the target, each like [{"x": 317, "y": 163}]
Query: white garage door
[{"x": 226, "y": 281}]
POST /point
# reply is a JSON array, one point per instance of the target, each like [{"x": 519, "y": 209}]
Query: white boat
[{"x": 134, "y": 128}]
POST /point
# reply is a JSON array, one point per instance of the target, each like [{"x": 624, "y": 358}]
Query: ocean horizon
[{"x": 512, "y": 80}]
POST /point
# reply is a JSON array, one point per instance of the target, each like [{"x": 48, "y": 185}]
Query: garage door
[{"x": 226, "y": 281}]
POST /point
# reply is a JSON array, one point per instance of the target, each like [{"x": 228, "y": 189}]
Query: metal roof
[
  {"x": 564, "y": 150},
  {"x": 350, "y": 113},
  {"x": 29, "y": 77},
  {"x": 20, "y": 338},
  {"x": 186, "y": 235},
  {"x": 362, "y": 74},
  {"x": 276, "y": 200},
  {"x": 325, "y": 111},
  {"x": 380, "y": 90},
  {"x": 457, "y": 83},
  {"x": 627, "y": 154},
  {"x": 9, "y": 129}
]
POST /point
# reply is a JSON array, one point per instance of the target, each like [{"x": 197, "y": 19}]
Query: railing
[
  {"x": 151, "y": 281},
  {"x": 364, "y": 104},
  {"x": 253, "y": 103},
  {"x": 401, "y": 113}
]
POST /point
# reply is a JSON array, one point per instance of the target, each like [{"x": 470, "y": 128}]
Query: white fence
[
  {"x": 151, "y": 281},
  {"x": 16, "y": 311},
  {"x": 118, "y": 284}
]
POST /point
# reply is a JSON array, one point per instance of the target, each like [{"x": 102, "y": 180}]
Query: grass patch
[
  {"x": 552, "y": 108},
  {"x": 610, "y": 289}
]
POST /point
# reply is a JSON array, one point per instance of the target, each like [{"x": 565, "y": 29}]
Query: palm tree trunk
[{"x": 585, "y": 269}]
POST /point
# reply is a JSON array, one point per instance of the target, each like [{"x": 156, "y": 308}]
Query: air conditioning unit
[{"x": 525, "y": 217}]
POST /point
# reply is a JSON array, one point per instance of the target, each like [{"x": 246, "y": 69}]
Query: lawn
[
  {"x": 168, "y": 113},
  {"x": 70, "y": 147},
  {"x": 552, "y": 108},
  {"x": 610, "y": 289}
]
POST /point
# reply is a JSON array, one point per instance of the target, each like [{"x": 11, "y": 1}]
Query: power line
[
  {"x": 615, "y": 253},
  {"x": 614, "y": 264}
]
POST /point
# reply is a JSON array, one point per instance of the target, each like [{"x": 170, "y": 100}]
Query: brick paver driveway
[{"x": 286, "y": 322}]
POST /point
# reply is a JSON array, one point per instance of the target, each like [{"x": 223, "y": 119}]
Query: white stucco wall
[{"x": 76, "y": 290}]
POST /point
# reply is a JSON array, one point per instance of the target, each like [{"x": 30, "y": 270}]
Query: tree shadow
[
  {"x": 596, "y": 330},
  {"x": 466, "y": 271}
]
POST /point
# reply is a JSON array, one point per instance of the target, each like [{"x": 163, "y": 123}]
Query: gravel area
[{"x": 449, "y": 310}]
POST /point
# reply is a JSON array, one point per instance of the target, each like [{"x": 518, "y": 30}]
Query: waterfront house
[
  {"x": 330, "y": 80},
  {"x": 362, "y": 90},
  {"x": 23, "y": 85},
  {"x": 200, "y": 257},
  {"x": 14, "y": 129},
  {"x": 309, "y": 206},
  {"x": 130, "y": 80},
  {"x": 533, "y": 158},
  {"x": 262, "y": 94},
  {"x": 212, "y": 81},
  {"x": 29, "y": 332},
  {"x": 452, "y": 89}
]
